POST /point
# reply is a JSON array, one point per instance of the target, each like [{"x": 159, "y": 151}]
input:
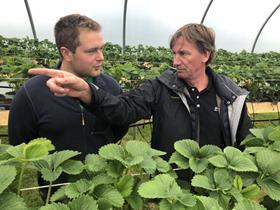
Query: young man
[
  {"x": 36, "y": 112},
  {"x": 192, "y": 102}
]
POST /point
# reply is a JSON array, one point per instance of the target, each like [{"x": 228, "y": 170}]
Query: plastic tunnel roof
[{"x": 152, "y": 22}]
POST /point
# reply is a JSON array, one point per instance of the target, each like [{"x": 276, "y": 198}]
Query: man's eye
[
  {"x": 183, "y": 53},
  {"x": 92, "y": 51}
]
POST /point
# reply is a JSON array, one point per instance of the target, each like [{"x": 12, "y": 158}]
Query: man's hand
[{"x": 63, "y": 83}]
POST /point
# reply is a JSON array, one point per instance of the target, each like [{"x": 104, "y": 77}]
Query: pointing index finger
[{"x": 47, "y": 72}]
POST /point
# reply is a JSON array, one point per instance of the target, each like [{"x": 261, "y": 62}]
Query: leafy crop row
[
  {"x": 258, "y": 72},
  {"x": 133, "y": 175}
]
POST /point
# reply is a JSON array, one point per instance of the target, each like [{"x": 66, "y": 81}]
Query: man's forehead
[
  {"x": 180, "y": 43},
  {"x": 91, "y": 37}
]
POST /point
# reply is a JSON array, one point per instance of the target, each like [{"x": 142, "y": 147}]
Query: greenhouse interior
[{"x": 145, "y": 105}]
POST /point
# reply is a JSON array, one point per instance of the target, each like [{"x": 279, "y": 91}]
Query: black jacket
[
  {"x": 165, "y": 99},
  {"x": 36, "y": 112}
]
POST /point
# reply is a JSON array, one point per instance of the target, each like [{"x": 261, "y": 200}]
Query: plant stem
[
  {"x": 49, "y": 193},
  {"x": 261, "y": 196},
  {"x": 125, "y": 171},
  {"x": 20, "y": 177}
]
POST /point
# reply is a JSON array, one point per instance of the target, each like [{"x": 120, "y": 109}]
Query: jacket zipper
[
  {"x": 83, "y": 126},
  {"x": 84, "y": 131},
  {"x": 83, "y": 118}
]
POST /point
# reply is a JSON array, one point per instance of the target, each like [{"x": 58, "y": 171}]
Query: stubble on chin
[
  {"x": 95, "y": 73},
  {"x": 183, "y": 74}
]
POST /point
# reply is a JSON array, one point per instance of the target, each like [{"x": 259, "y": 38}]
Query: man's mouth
[{"x": 97, "y": 67}]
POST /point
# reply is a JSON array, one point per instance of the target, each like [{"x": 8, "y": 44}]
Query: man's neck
[
  {"x": 200, "y": 83},
  {"x": 66, "y": 67}
]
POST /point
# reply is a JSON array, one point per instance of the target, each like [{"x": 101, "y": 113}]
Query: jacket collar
[
  {"x": 226, "y": 89},
  {"x": 99, "y": 81},
  {"x": 169, "y": 78}
]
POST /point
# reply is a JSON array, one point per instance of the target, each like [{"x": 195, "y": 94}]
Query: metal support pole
[
  {"x": 206, "y": 11},
  {"x": 30, "y": 19},
  {"x": 123, "y": 49},
  {"x": 124, "y": 28},
  {"x": 257, "y": 37}
]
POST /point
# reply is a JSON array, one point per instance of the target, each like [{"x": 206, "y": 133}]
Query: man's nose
[
  {"x": 100, "y": 55},
  {"x": 176, "y": 61}
]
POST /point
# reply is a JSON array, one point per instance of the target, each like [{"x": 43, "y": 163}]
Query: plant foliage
[
  {"x": 133, "y": 175},
  {"x": 258, "y": 72}
]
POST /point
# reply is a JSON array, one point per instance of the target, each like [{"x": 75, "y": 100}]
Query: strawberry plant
[
  {"x": 257, "y": 72},
  {"x": 132, "y": 175}
]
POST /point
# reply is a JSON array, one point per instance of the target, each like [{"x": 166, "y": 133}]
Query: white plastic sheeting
[{"x": 151, "y": 22}]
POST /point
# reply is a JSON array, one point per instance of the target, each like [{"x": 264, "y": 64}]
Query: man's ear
[
  {"x": 66, "y": 53},
  {"x": 206, "y": 56}
]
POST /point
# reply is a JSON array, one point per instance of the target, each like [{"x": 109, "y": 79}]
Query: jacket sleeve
[
  {"x": 245, "y": 124},
  {"x": 22, "y": 126},
  {"x": 128, "y": 107},
  {"x": 119, "y": 130}
]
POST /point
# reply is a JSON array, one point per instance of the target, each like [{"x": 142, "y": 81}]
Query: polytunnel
[
  {"x": 58, "y": 151},
  {"x": 239, "y": 25},
  {"x": 249, "y": 26},
  {"x": 236, "y": 23}
]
